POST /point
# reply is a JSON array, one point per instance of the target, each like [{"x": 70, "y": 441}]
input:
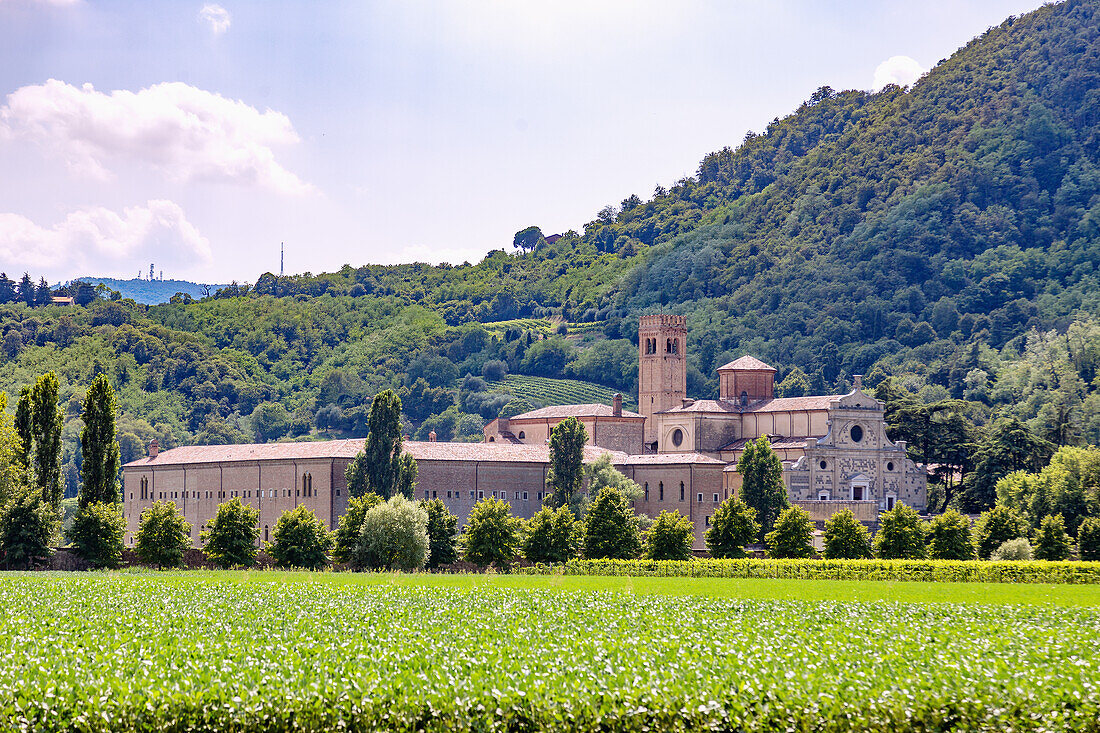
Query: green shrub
[
  {"x": 950, "y": 537},
  {"x": 300, "y": 540},
  {"x": 1018, "y": 549},
  {"x": 995, "y": 527},
  {"x": 28, "y": 524},
  {"x": 611, "y": 527},
  {"x": 793, "y": 534},
  {"x": 346, "y": 536},
  {"x": 1051, "y": 541},
  {"x": 163, "y": 535},
  {"x": 96, "y": 534},
  {"x": 669, "y": 537},
  {"x": 901, "y": 534},
  {"x": 492, "y": 533},
  {"x": 552, "y": 536},
  {"x": 1088, "y": 539},
  {"x": 442, "y": 533},
  {"x": 732, "y": 527},
  {"x": 231, "y": 537},
  {"x": 393, "y": 536},
  {"x": 942, "y": 571},
  {"x": 846, "y": 537}
]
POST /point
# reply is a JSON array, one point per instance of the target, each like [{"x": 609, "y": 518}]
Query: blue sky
[{"x": 199, "y": 135}]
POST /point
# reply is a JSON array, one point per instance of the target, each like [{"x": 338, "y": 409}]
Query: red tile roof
[
  {"x": 777, "y": 404},
  {"x": 555, "y": 412},
  {"x": 671, "y": 459},
  {"x": 746, "y": 364},
  {"x": 322, "y": 450}
]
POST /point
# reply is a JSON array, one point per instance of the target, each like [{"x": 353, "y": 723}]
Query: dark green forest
[{"x": 944, "y": 236}]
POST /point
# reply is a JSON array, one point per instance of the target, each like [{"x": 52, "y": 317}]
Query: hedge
[{"x": 944, "y": 571}]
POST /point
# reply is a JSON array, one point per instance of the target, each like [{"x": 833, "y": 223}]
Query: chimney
[
  {"x": 154, "y": 448},
  {"x": 617, "y": 405},
  {"x": 857, "y": 381},
  {"x": 431, "y": 437},
  {"x": 687, "y": 402}
]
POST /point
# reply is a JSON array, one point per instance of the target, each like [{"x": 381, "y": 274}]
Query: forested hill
[{"x": 922, "y": 233}]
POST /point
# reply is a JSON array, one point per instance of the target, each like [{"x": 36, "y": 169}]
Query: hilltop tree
[
  {"x": 565, "y": 477},
  {"x": 733, "y": 526},
  {"x": 99, "y": 447},
  {"x": 529, "y": 239},
  {"x": 762, "y": 482}
]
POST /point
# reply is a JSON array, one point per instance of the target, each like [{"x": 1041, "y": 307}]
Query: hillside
[
  {"x": 948, "y": 234},
  {"x": 153, "y": 292}
]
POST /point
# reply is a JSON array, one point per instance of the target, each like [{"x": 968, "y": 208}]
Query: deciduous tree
[
  {"x": 669, "y": 537},
  {"x": 96, "y": 534},
  {"x": 346, "y": 536},
  {"x": 552, "y": 536},
  {"x": 611, "y": 527},
  {"x": 394, "y": 536},
  {"x": 492, "y": 534},
  {"x": 950, "y": 537},
  {"x": 300, "y": 540},
  {"x": 1051, "y": 541},
  {"x": 733, "y": 526},
  {"x": 793, "y": 534},
  {"x": 995, "y": 527},
  {"x": 442, "y": 535},
  {"x": 846, "y": 538},
  {"x": 762, "y": 482},
  {"x": 901, "y": 534},
  {"x": 565, "y": 477},
  {"x": 163, "y": 535},
  {"x": 28, "y": 526},
  {"x": 231, "y": 537},
  {"x": 99, "y": 449}
]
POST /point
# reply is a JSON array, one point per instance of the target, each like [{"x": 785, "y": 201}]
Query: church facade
[{"x": 681, "y": 452}]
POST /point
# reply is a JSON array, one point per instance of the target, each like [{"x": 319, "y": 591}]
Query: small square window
[{"x": 716, "y": 498}]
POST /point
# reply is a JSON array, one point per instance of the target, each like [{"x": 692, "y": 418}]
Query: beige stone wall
[
  {"x": 613, "y": 433},
  {"x": 821, "y": 511},
  {"x": 758, "y": 385},
  {"x": 696, "y": 480}
]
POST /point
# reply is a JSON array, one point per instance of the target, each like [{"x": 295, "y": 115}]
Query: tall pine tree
[
  {"x": 762, "y": 482},
  {"x": 99, "y": 445}
]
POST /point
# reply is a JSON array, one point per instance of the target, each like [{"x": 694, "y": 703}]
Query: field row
[
  {"x": 941, "y": 571},
  {"x": 545, "y": 391},
  {"x": 203, "y": 652}
]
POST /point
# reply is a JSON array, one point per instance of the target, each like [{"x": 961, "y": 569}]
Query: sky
[{"x": 200, "y": 136}]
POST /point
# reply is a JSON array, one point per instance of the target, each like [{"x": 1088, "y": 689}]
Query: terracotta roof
[
  {"x": 777, "y": 441},
  {"x": 746, "y": 364},
  {"x": 777, "y": 404},
  {"x": 320, "y": 450},
  {"x": 671, "y": 459},
  {"x": 563, "y": 411}
]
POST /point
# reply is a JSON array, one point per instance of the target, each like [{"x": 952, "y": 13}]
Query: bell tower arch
[{"x": 662, "y": 367}]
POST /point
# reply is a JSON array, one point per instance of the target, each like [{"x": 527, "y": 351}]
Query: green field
[
  {"x": 544, "y": 391},
  {"x": 256, "y": 651}
]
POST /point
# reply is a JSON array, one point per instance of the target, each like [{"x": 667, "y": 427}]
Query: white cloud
[
  {"x": 98, "y": 241},
  {"x": 217, "y": 16},
  {"x": 187, "y": 133},
  {"x": 900, "y": 70}
]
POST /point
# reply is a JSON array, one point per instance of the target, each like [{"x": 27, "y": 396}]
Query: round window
[
  {"x": 822, "y": 464},
  {"x": 677, "y": 437},
  {"x": 857, "y": 433},
  {"x": 889, "y": 466}
]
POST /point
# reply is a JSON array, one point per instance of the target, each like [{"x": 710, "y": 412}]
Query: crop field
[
  {"x": 546, "y": 391},
  {"x": 216, "y": 651}
]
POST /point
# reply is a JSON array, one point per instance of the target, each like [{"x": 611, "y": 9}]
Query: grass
[
  {"x": 846, "y": 591},
  {"x": 267, "y": 651}
]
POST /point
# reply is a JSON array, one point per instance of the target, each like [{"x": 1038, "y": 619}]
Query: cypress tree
[
  {"x": 99, "y": 446},
  {"x": 566, "y": 474},
  {"x": 47, "y": 421},
  {"x": 381, "y": 467},
  {"x": 24, "y": 425},
  {"x": 762, "y": 482}
]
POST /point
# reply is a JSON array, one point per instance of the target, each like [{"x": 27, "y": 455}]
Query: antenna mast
[{"x": 282, "y": 257}]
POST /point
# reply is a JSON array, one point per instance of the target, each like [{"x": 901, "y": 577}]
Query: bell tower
[{"x": 662, "y": 367}]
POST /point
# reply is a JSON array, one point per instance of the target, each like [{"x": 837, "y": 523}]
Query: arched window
[
  {"x": 744, "y": 398},
  {"x": 647, "y": 491},
  {"x": 144, "y": 488},
  {"x": 668, "y": 346},
  {"x": 675, "y": 346},
  {"x": 661, "y": 491},
  {"x": 522, "y": 435},
  {"x": 265, "y": 533}
]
